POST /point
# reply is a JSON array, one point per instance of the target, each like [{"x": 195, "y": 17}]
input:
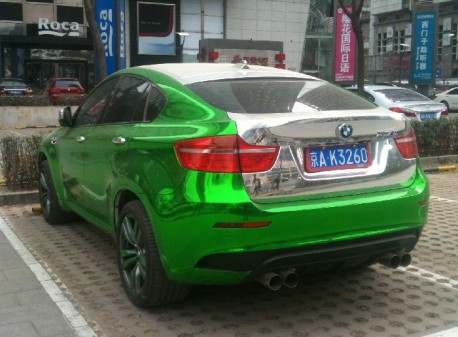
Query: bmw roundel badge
[{"x": 344, "y": 130}]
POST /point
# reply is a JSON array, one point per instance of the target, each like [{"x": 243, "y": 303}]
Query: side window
[
  {"x": 92, "y": 108},
  {"x": 369, "y": 97},
  {"x": 128, "y": 102},
  {"x": 454, "y": 92},
  {"x": 156, "y": 102}
]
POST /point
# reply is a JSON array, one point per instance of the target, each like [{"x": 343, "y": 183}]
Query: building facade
[
  {"x": 40, "y": 39},
  {"x": 392, "y": 34}
]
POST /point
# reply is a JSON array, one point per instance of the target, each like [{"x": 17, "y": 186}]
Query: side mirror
[{"x": 65, "y": 116}]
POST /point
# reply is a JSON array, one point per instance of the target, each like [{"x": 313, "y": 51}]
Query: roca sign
[{"x": 55, "y": 28}]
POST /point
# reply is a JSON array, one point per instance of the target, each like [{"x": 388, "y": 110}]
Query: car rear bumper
[
  {"x": 315, "y": 235},
  {"x": 309, "y": 259}
]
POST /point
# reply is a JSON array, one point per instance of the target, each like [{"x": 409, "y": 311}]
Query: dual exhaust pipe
[
  {"x": 394, "y": 261},
  {"x": 275, "y": 280},
  {"x": 290, "y": 279}
]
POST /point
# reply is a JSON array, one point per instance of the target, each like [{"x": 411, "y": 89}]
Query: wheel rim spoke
[
  {"x": 132, "y": 254},
  {"x": 44, "y": 193}
]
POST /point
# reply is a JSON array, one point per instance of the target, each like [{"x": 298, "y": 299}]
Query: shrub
[
  {"x": 437, "y": 137},
  {"x": 19, "y": 161},
  {"x": 40, "y": 100},
  {"x": 34, "y": 100},
  {"x": 69, "y": 100}
]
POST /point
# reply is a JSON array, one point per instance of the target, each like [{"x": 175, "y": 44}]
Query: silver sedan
[{"x": 408, "y": 102}]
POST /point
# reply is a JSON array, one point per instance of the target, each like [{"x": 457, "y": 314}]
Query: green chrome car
[{"x": 227, "y": 173}]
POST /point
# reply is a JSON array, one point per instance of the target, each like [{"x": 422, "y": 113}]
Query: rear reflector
[
  {"x": 407, "y": 145},
  {"x": 241, "y": 224},
  {"x": 225, "y": 154}
]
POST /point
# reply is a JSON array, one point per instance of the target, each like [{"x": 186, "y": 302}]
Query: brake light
[
  {"x": 407, "y": 145},
  {"x": 444, "y": 112},
  {"x": 406, "y": 112},
  {"x": 225, "y": 154}
]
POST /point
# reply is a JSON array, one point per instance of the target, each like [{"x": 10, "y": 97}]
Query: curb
[
  {"x": 440, "y": 169},
  {"x": 15, "y": 198}
]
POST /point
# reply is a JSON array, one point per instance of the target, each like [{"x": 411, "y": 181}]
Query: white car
[
  {"x": 449, "y": 98},
  {"x": 408, "y": 102}
]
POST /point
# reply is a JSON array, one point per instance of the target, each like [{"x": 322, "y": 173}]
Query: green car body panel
[{"x": 185, "y": 205}]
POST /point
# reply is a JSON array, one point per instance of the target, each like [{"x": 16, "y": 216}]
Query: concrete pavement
[{"x": 31, "y": 302}]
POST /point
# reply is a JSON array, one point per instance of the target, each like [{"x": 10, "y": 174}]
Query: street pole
[{"x": 400, "y": 66}]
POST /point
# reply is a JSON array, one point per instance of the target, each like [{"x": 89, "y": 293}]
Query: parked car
[
  {"x": 63, "y": 86},
  {"x": 449, "y": 98},
  {"x": 228, "y": 173},
  {"x": 14, "y": 87},
  {"x": 405, "y": 101}
]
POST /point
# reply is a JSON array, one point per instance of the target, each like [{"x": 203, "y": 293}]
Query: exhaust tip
[
  {"x": 406, "y": 259},
  {"x": 390, "y": 260},
  {"x": 290, "y": 278},
  {"x": 273, "y": 281}
]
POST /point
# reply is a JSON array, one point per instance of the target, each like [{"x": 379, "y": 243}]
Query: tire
[
  {"x": 140, "y": 267},
  {"x": 52, "y": 212}
]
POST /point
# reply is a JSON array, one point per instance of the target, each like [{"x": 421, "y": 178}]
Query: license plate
[
  {"x": 428, "y": 115},
  {"x": 337, "y": 157},
  {"x": 15, "y": 92}
]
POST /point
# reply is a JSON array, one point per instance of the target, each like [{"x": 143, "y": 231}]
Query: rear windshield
[
  {"x": 67, "y": 83},
  {"x": 11, "y": 83},
  {"x": 402, "y": 95},
  {"x": 277, "y": 95}
]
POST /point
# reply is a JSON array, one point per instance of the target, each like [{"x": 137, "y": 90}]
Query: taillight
[
  {"x": 406, "y": 112},
  {"x": 225, "y": 154},
  {"x": 407, "y": 145},
  {"x": 444, "y": 112}
]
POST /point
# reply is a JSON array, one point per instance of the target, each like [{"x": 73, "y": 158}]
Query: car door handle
[
  {"x": 80, "y": 139},
  {"x": 119, "y": 140}
]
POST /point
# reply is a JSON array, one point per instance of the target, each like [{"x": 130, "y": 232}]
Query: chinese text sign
[
  {"x": 423, "y": 51},
  {"x": 345, "y": 49}
]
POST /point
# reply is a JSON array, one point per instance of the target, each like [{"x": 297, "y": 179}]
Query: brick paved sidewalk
[{"x": 31, "y": 304}]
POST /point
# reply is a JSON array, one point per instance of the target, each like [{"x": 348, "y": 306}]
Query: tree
[
  {"x": 355, "y": 17},
  {"x": 99, "y": 48}
]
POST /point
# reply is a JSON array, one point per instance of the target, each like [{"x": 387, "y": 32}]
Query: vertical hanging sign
[
  {"x": 122, "y": 34},
  {"x": 423, "y": 49},
  {"x": 106, "y": 20},
  {"x": 345, "y": 48}
]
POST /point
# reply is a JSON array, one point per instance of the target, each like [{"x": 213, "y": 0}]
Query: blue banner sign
[
  {"x": 106, "y": 20},
  {"x": 114, "y": 42},
  {"x": 423, "y": 50}
]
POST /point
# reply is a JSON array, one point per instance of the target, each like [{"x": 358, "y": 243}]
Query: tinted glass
[
  {"x": 402, "y": 95},
  {"x": 156, "y": 102},
  {"x": 128, "y": 102},
  {"x": 11, "y": 83},
  {"x": 277, "y": 95},
  {"x": 67, "y": 83},
  {"x": 92, "y": 108}
]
